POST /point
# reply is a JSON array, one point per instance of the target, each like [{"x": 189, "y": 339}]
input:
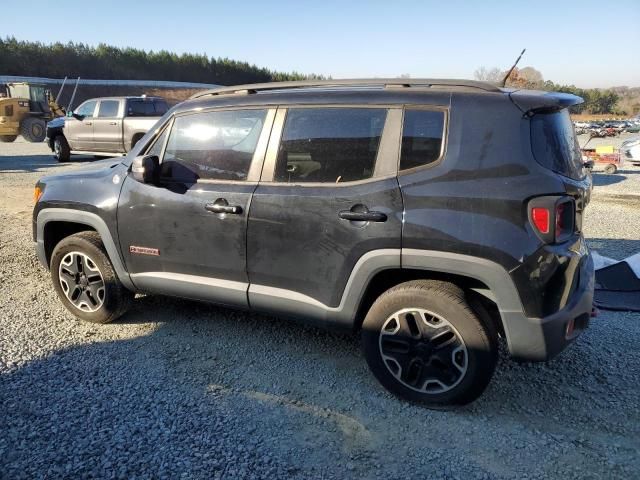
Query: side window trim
[
  {"x": 164, "y": 128},
  {"x": 387, "y": 158},
  {"x": 443, "y": 145},
  {"x": 257, "y": 160}
]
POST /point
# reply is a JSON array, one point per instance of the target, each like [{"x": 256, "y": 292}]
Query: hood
[
  {"x": 95, "y": 169},
  {"x": 57, "y": 122}
]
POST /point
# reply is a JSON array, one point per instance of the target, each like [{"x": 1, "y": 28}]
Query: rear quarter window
[{"x": 554, "y": 144}]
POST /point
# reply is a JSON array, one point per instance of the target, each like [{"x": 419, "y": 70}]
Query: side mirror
[
  {"x": 70, "y": 113},
  {"x": 145, "y": 168},
  {"x": 588, "y": 164}
]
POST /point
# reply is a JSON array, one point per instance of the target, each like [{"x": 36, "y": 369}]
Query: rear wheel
[
  {"x": 424, "y": 343},
  {"x": 33, "y": 129},
  {"x": 8, "y": 138},
  {"x": 61, "y": 150},
  {"x": 610, "y": 169},
  {"x": 85, "y": 279}
]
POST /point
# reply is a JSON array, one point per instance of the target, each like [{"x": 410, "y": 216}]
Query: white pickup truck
[{"x": 106, "y": 126}]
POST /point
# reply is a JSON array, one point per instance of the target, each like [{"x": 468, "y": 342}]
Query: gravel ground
[{"x": 179, "y": 389}]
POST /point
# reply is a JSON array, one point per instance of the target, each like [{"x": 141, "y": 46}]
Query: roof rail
[{"x": 363, "y": 82}]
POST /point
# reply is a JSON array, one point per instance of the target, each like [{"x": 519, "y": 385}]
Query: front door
[
  {"x": 186, "y": 235},
  {"x": 107, "y": 127},
  {"x": 329, "y": 196},
  {"x": 79, "y": 129}
]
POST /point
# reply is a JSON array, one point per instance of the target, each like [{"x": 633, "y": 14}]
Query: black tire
[
  {"x": 114, "y": 300},
  {"x": 8, "y": 138},
  {"x": 447, "y": 344},
  {"x": 610, "y": 169},
  {"x": 33, "y": 129},
  {"x": 61, "y": 150}
]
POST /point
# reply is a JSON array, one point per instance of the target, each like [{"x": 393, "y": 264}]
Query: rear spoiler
[{"x": 535, "y": 101}]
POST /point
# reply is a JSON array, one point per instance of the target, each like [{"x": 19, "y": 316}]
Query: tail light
[{"x": 553, "y": 217}]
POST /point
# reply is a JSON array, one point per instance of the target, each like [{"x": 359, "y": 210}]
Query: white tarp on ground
[{"x": 600, "y": 262}]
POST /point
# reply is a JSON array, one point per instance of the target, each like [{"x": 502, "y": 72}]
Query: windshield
[{"x": 554, "y": 144}]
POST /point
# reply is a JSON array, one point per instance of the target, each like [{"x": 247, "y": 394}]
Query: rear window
[
  {"x": 146, "y": 108},
  {"x": 555, "y": 145}
]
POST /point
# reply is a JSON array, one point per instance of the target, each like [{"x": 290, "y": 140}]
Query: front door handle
[
  {"x": 113, "y": 123},
  {"x": 222, "y": 206},
  {"x": 88, "y": 123},
  {"x": 360, "y": 213}
]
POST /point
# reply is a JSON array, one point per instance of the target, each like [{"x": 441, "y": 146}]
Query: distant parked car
[{"x": 104, "y": 126}]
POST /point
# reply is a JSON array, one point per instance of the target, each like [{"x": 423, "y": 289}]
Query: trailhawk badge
[{"x": 144, "y": 250}]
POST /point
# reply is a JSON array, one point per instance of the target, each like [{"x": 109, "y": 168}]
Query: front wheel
[
  {"x": 61, "y": 150},
  {"x": 424, "y": 343},
  {"x": 85, "y": 279},
  {"x": 610, "y": 169}
]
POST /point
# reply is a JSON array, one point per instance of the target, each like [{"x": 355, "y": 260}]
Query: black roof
[{"x": 371, "y": 92}]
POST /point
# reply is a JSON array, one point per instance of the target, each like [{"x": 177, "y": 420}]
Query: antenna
[
  {"x": 73, "y": 95},
  {"x": 60, "y": 91},
  {"x": 506, "y": 77}
]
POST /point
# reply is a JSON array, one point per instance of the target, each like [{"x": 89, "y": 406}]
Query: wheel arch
[{"x": 62, "y": 222}]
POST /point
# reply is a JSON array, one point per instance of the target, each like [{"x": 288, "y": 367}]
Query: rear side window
[
  {"x": 212, "y": 145},
  {"x": 422, "y": 134},
  {"x": 108, "y": 108},
  {"x": 329, "y": 145},
  {"x": 554, "y": 144}
]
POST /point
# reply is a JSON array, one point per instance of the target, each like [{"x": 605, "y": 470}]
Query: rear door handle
[
  {"x": 88, "y": 123},
  {"x": 362, "y": 216},
  {"x": 113, "y": 123},
  {"x": 222, "y": 206}
]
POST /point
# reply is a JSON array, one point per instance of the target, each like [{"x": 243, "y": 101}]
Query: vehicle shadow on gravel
[
  {"x": 601, "y": 179},
  {"x": 36, "y": 163},
  {"x": 184, "y": 387}
]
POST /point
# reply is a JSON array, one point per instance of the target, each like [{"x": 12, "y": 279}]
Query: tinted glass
[
  {"x": 86, "y": 109},
  {"x": 108, "y": 108},
  {"x": 329, "y": 144},
  {"x": 141, "y": 108},
  {"x": 160, "y": 107},
  {"x": 422, "y": 133},
  {"x": 554, "y": 144},
  {"x": 212, "y": 145}
]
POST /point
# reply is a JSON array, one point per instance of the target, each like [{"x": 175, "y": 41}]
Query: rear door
[
  {"x": 107, "y": 126},
  {"x": 79, "y": 129},
  {"x": 186, "y": 235},
  {"x": 328, "y": 195}
]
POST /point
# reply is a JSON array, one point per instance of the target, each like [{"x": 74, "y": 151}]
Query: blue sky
[{"x": 587, "y": 43}]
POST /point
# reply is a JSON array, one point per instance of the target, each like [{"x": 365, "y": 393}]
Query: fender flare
[{"x": 47, "y": 215}]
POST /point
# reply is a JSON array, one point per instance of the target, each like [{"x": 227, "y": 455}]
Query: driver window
[
  {"x": 86, "y": 109},
  {"x": 212, "y": 145}
]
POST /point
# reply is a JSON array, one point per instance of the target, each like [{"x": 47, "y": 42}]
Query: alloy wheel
[
  {"x": 81, "y": 281},
  {"x": 423, "y": 350}
]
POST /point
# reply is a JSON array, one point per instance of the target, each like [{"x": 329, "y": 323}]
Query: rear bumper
[{"x": 540, "y": 339}]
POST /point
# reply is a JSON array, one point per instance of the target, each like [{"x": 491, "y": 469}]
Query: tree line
[
  {"x": 596, "y": 100},
  {"x": 71, "y": 59}
]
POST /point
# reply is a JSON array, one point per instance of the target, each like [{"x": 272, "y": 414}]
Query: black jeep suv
[{"x": 433, "y": 216}]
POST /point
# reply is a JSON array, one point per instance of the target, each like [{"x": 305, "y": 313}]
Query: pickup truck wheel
[
  {"x": 424, "y": 343},
  {"x": 85, "y": 279},
  {"x": 61, "y": 150},
  {"x": 33, "y": 129},
  {"x": 610, "y": 169},
  {"x": 8, "y": 138}
]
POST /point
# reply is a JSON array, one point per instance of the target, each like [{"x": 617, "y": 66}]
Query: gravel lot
[{"x": 179, "y": 389}]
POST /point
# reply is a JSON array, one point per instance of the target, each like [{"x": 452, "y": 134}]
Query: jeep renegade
[{"x": 432, "y": 216}]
